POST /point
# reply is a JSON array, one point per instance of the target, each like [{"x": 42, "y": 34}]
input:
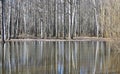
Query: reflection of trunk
[
  {"x": 96, "y": 56},
  {"x": 10, "y": 57},
  {"x": 62, "y": 44},
  {"x": 36, "y": 54},
  {"x": 109, "y": 57},
  {"x": 16, "y": 44},
  {"x": 41, "y": 43},
  {"x": 3, "y": 59},
  {"x": 54, "y": 44},
  {"x": 102, "y": 55},
  {"x": 75, "y": 58},
  {"x": 79, "y": 56},
  {"x": 56, "y": 57},
  {"x": 64, "y": 59},
  {"x": 25, "y": 54},
  {"x": 69, "y": 49},
  {"x": 52, "y": 59}
]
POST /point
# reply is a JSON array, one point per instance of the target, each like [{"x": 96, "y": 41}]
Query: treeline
[
  {"x": 59, "y": 18},
  {"x": 109, "y": 18}
]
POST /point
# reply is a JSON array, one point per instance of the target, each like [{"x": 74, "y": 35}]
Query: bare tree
[
  {"x": 10, "y": 19},
  {"x": 3, "y": 21},
  {"x": 96, "y": 17}
]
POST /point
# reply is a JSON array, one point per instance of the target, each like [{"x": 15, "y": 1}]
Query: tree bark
[
  {"x": 64, "y": 19},
  {"x": 56, "y": 16},
  {"x": 3, "y": 21},
  {"x": 96, "y": 17},
  {"x": 70, "y": 22},
  {"x": 10, "y": 24}
]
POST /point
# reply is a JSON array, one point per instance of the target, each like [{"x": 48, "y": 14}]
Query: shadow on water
[{"x": 60, "y": 57}]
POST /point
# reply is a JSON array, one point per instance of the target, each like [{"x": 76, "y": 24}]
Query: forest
[
  {"x": 59, "y": 19},
  {"x": 59, "y": 37}
]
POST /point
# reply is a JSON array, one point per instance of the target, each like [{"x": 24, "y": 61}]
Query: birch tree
[
  {"x": 70, "y": 22},
  {"x": 96, "y": 17},
  {"x": 25, "y": 15},
  {"x": 3, "y": 22},
  {"x": 64, "y": 19},
  {"x": 10, "y": 19}
]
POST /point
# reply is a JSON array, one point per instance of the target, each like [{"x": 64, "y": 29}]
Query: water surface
[{"x": 58, "y": 57}]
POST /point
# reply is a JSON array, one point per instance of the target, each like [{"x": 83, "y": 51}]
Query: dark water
[{"x": 60, "y": 57}]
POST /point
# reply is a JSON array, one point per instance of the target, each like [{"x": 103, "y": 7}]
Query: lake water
[{"x": 59, "y": 57}]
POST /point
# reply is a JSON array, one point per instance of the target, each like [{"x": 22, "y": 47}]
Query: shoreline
[{"x": 60, "y": 39}]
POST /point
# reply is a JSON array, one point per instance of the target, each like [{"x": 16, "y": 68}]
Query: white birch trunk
[
  {"x": 24, "y": 16},
  {"x": 9, "y": 15},
  {"x": 96, "y": 17},
  {"x": 69, "y": 35},
  {"x": 41, "y": 29},
  {"x": 73, "y": 17},
  {"x": 56, "y": 23}
]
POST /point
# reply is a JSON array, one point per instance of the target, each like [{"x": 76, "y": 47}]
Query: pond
[{"x": 58, "y": 57}]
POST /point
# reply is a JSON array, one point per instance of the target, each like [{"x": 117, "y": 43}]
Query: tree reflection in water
[
  {"x": 3, "y": 59},
  {"x": 60, "y": 57}
]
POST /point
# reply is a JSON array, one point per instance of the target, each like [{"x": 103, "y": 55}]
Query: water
[{"x": 60, "y": 57}]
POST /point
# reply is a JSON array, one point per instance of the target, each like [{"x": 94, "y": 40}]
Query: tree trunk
[
  {"x": 10, "y": 25},
  {"x": 64, "y": 19},
  {"x": 70, "y": 22},
  {"x": 9, "y": 20},
  {"x": 35, "y": 25},
  {"x": 24, "y": 16},
  {"x": 73, "y": 17},
  {"x": 56, "y": 16},
  {"x": 18, "y": 16},
  {"x": 96, "y": 17},
  {"x": 3, "y": 21}
]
